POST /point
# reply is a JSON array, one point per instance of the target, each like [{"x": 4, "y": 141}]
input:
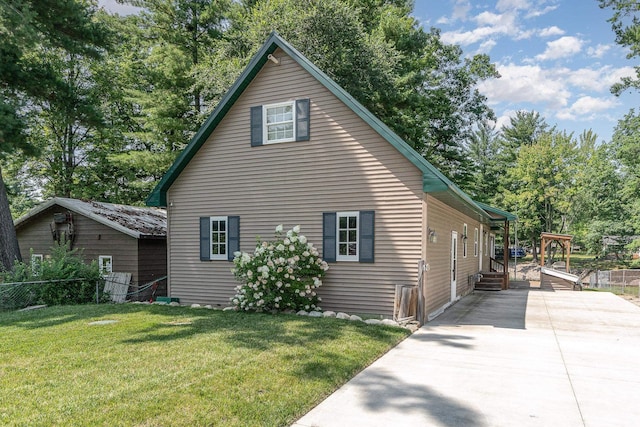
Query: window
[
  {"x": 475, "y": 242},
  {"x": 279, "y": 125},
  {"x": 464, "y": 241},
  {"x": 486, "y": 243},
  {"x": 348, "y": 236},
  {"x": 219, "y": 237},
  {"x": 36, "y": 263},
  {"x": 105, "y": 264},
  {"x": 282, "y": 122},
  {"x": 218, "y": 241}
]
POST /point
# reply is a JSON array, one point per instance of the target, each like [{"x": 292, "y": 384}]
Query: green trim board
[
  {"x": 433, "y": 180},
  {"x": 498, "y": 212}
]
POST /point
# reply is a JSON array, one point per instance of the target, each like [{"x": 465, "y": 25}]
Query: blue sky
[{"x": 556, "y": 57}]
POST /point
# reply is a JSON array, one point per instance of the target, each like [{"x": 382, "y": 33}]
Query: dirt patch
[{"x": 631, "y": 298}]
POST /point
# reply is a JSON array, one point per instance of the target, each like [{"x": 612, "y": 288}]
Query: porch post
[{"x": 505, "y": 255}]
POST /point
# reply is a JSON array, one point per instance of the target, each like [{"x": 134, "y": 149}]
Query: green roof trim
[
  {"x": 506, "y": 215},
  {"x": 433, "y": 181}
]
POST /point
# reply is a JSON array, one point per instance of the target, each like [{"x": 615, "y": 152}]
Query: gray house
[
  {"x": 120, "y": 238},
  {"x": 287, "y": 145}
]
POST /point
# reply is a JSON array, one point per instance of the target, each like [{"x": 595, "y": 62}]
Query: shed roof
[
  {"x": 434, "y": 182},
  {"x": 135, "y": 221}
]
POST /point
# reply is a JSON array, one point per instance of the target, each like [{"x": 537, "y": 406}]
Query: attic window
[
  {"x": 279, "y": 125},
  {"x": 281, "y": 122}
]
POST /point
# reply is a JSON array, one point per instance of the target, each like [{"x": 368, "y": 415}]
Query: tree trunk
[{"x": 9, "y": 249}]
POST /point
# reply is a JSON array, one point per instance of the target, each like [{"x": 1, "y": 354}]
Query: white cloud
[
  {"x": 461, "y": 9},
  {"x": 486, "y": 46},
  {"x": 598, "y": 51},
  {"x": 586, "y": 107},
  {"x": 551, "y": 31},
  {"x": 561, "y": 48},
  {"x": 526, "y": 84},
  {"x": 595, "y": 79},
  {"x": 535, "y": 13},
  {"x": 504, "y": 5},
  {"x": 112, "y": 6}
]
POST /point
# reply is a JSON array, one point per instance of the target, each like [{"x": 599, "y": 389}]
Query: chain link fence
[
  {"x": 617, "y": 281},
  {"x": 19, "y": 295}
]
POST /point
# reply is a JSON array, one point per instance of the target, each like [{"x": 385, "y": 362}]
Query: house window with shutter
[
  {"x": 282, "y": 122},
  {"x": 219, "y": 237},
  {"x": 348, "y": 236}
]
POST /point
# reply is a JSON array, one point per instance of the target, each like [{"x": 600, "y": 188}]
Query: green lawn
[{"x": 175, "y": 366}]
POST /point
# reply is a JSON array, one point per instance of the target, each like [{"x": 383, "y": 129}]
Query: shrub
[
  {"x": 58, "y": 272},
  {"x": 280, "y": 275}
]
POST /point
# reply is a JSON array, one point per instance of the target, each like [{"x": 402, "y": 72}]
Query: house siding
[
  {"x": 94, "y": 238},
  {"x": 444, "y": 220},
  {"x": 345, "y": 166}
]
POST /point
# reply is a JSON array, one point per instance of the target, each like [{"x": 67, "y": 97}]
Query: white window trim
[
  {"x": 223, "y": 256},
  {"x": 36, "y": 263},
  {"x": 265, "y": 125},
  {"x": 465, "y": 238},
  {"x": 101, "y": 258},
  {"x": 352, "y": 258},
  {"x": 475, "y": 242}
]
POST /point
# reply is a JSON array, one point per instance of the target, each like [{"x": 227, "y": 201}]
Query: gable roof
[
  {"x": 433, "y": 181},
  {"x": 134, "y": 221}
]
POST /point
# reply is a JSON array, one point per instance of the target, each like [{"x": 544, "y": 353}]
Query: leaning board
[{"x": 117, "y": 285}]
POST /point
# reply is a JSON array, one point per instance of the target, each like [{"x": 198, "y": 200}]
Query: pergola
[{"x": 563, "y": 239}]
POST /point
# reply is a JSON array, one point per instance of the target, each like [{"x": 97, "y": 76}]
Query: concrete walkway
[{"x": 521, "y": 357}]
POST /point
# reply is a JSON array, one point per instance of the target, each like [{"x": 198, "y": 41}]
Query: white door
[{"x": 454, "y": 263}]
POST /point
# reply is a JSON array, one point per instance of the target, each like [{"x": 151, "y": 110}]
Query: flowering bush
[{"x": 280, "y": 275}]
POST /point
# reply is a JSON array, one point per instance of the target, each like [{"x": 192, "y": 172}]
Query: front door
[{"x": 454, "y": 263}]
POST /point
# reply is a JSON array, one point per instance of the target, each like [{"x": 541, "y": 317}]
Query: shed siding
[
  {"x": 444, "y": 219},
  {"x": 345, "y": 166},
  {"x": 94, "y": 238}
]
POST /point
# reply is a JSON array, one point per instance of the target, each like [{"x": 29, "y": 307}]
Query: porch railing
[{"x": 495, "y": 265}]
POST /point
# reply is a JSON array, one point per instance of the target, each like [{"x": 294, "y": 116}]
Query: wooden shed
[{"x": 120, "y": 238}]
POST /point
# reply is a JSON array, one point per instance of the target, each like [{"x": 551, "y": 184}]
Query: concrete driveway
[{"x": 522, "y": 357}]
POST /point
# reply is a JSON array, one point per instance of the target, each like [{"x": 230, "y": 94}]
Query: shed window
[
  {"x": 36, "y": 263},
  {"x": 105, "y": 263},
  {"x": 281, "y": 122}
]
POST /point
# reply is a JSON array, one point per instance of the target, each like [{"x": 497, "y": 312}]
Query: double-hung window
[
  {"x": 475, "y": 242},
  {"x": 348, "y": 236},
  {"x": 219, "y": 237},
  {"x": 279, "y": 125},
  {"x": 281, "y": 122}
]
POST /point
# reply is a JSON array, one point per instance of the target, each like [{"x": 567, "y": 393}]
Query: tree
[
  {"x": 483, "y": 153},
  {"x": 541, "y": 176},
  {"x": 625, "y": 23},
  {"x": 626, "y": 146},
  {"x": 25, "y": 25}
]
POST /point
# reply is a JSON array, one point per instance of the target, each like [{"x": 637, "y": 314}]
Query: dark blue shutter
[
  {"x": 302, "y": 120},
  {"x": 205, "y": 238},
  {"x": 233, "y": 230},
  {"x": 329, "y": 236},
  {"x": 256, "y": 126},
  {"x": 367, "y": 235}
]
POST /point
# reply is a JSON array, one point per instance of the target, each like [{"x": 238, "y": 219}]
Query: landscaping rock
[
  {"x": 413, "y": 326},
  {"x": 229, "y": 309},
  {"x": 355, "y": 318},
  {"x": 174, "y": 304},
  {"x": 372, "y": 322},
  {"x": 196, "y": 306},
  {"x": 343, "y": 316},
  {"x": 209, "y": 306},
  {"x": 302, "y": 313},
  {"x": 329, "y": 314},
  {"x": 315, "y": 314},
  {"x": 160, "y": 303},
  {"x": 389, "y": 322}
]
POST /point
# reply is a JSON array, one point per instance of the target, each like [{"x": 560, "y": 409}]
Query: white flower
[
  {"x": 296, "y": 229},
  {"x": 292, "y": 248},
  {"x": 249, "y": 274},
  {"x": 287, "y": 241},
  {"x": 279, "y": 228},
  {"x": 280, "y": 247},
  {"x": 237, "y": 254},
  {"x": 302, "y": 239}
]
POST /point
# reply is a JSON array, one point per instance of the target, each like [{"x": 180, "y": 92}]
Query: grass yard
[{"x": 175, "y": 366}]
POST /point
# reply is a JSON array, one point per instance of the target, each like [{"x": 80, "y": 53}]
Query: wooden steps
[{"x": 490, "y": 282}]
